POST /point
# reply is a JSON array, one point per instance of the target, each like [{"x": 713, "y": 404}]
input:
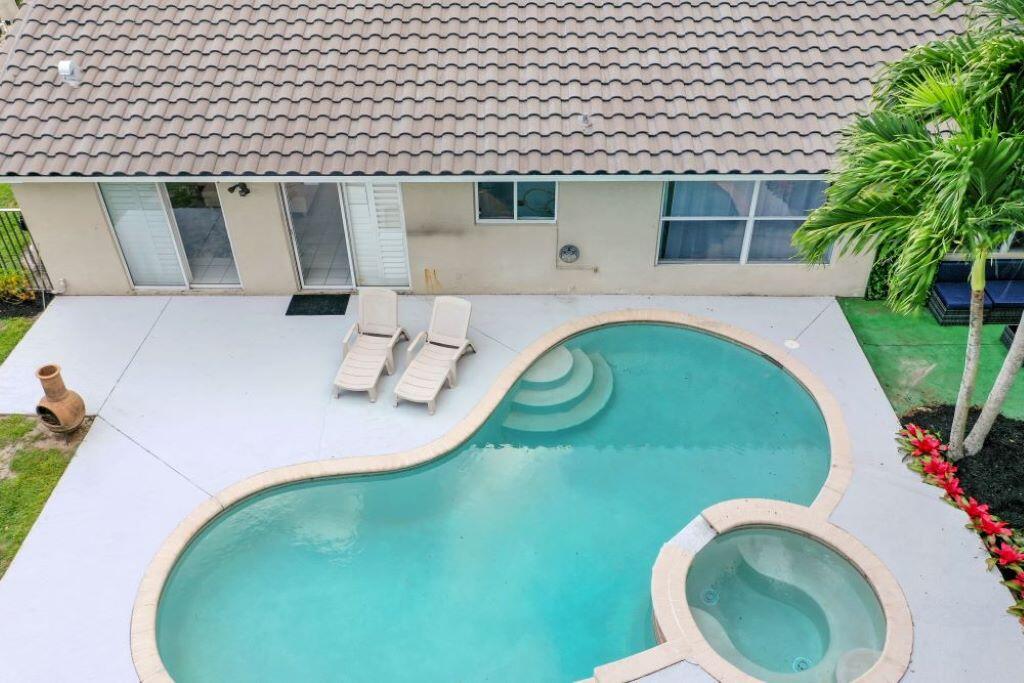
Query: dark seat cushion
[
  {"x": 995, "y": 269},
  {"x": 957, "y": 295},
  {"x": 953, "y": 271},
  {"x": 1005, "y": 269},
  {"x": 1006, "y": 293}
]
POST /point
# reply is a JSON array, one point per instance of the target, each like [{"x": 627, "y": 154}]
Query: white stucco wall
[
  {"x": 70, "y": 230},
  {"x": 260, "y": 239},
  {"x": 77, "y": 244},
  {"x": 615, "y": 224}
]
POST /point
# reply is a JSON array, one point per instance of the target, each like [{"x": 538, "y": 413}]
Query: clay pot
[{"x": 61, "y": 409}]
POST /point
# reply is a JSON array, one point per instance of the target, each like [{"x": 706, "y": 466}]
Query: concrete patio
[{"x": 195, "y": 393}]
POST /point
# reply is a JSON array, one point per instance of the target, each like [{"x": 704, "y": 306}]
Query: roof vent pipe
[{"x": 69, "y": 72}]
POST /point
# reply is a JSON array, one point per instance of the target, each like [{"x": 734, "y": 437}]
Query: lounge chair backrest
[
  {"x": 449, "y": 323},
  {"x": 378, "y": 311}
]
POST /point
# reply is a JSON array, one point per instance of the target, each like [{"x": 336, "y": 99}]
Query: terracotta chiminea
[{"x": 61, "y": 409}]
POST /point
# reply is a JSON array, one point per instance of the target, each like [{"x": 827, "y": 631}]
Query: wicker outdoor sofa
[{"x": 950, "y": 298}]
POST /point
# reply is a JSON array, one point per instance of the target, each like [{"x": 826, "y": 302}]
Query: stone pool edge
[
  {"x": 144, "y": 650},
  {"x": 674, "y": 622}
]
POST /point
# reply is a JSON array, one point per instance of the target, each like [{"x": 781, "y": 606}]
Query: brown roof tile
[{"x": 329, "y": 87}]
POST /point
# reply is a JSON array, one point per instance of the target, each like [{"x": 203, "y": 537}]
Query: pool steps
[
  {"x": 549, "y": 370},
  {"x": 561, "y": 395}
]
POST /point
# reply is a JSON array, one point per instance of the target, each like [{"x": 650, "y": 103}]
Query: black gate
[{"x": 18, "y": 253}]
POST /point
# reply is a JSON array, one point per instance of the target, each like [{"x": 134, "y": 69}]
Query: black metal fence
[{"x": 18, "y": 252}]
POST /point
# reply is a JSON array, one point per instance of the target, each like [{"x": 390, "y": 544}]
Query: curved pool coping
[
  {"x": 674, "y": 621},
  {"x": 144, "y": 650}
]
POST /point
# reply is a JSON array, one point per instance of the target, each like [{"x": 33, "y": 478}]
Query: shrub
[
  {"x": 925, "y": 454},
  {"x": 15, "y": 287},
  {"x": 878, "y": 280}
]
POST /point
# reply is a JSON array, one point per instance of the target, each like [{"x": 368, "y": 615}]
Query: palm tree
[
  {"x": 933, "y": 170},
  {"x": 989, "y": 63},
  {"x": 1000, "y": 79}
]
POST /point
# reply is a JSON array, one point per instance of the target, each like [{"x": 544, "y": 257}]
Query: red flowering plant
[{"x": 924, "y": 453}]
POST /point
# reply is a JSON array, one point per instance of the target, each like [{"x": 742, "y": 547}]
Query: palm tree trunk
[
  {"x": 971, "y": 361},
  {"x": 996, "y": 397}
]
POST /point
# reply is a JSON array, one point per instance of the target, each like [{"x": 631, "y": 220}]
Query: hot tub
[{"x": 782, "y": 606}]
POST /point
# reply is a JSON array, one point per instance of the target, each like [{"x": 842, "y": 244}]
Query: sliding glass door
[
  {"x": 139, "y": 217},
  {"x": 318, "y": 230},
  {"x": 202, "y": 234},
  {"x": 348, "y": 234},
  {"x": 171, "y": 236}
]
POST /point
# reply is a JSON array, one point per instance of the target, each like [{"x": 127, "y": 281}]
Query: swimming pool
[{"x": 526, "y": 553}]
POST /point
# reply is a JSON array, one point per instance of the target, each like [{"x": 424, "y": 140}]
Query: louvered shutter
[{"x": 378, "y": 233}]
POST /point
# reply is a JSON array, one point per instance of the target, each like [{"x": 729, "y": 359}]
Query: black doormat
[{"x": 318, "y": 304}]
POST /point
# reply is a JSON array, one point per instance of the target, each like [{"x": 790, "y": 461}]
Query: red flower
[
  {"x": 1018, "y": 582},
  {"x": 992, "y": 527},
  {"x": 975, "y": 510},
  {"x": 1007, "y": 554},
  {"x": 926, "y": 444},
  {"x": 952, "y": 487},
  {"x": 939, "y": 468}
]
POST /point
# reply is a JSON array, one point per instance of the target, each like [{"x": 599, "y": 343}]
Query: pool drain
[
  {"x": 709, "y": 597},
  {"x": 801, "y": 664}
]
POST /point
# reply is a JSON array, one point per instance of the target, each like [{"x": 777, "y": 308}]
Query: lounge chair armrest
[
  {"x": 399, "y": 333},
  {"x": 412, "y": 347},
  {"x": 348, "y": 339}
]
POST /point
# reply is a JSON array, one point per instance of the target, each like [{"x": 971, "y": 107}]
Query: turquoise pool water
[
  {"x": 783, "y": 607},
  {"x": 519, "y": 556}
]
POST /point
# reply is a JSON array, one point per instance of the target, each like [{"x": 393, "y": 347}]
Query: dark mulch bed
[
  {"x": 24, "y": 309},
  {"x": 996, "y": 474}
]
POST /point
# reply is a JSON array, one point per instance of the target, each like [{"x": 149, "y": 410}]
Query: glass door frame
[
  {"x": 180, "y": 245},
  {"x": 172, "y": 229},
  {"x": 344, "y": 231}
]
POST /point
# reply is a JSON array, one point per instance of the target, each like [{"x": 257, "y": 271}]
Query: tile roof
[{"x": 318, "y": 87}]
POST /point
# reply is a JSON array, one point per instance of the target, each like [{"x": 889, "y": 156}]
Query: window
[
  {"x": 516, "y": 201},
  {"x": 741, "y": 221}
]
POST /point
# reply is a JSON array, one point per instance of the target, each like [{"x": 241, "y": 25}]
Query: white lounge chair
[
  {"x": 373, "y": 351},
  {"x": 445, "y": 343}
]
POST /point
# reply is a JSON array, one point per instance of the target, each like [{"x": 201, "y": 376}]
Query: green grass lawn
[
  {"x": 918, "y": 362},
  {"x": 7, "y": 198},
  {"x": 31, "y": 462},
  {"x": 33, "y": 472},
  {"x": 11, "y": 332}
]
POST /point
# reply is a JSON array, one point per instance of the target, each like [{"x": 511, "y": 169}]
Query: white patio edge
[{"x": 195, "y": 393}]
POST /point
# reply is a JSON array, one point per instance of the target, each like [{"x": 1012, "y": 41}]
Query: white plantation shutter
[
  {"x": 144, "y": 233},
  {"x": 378, "y": 234}
]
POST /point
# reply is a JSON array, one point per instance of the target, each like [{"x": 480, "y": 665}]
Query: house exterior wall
[
  {"x": 615, "y": 224},
  {"x": 70, "y": 229},
  {"x": 260, "y": 239}
]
